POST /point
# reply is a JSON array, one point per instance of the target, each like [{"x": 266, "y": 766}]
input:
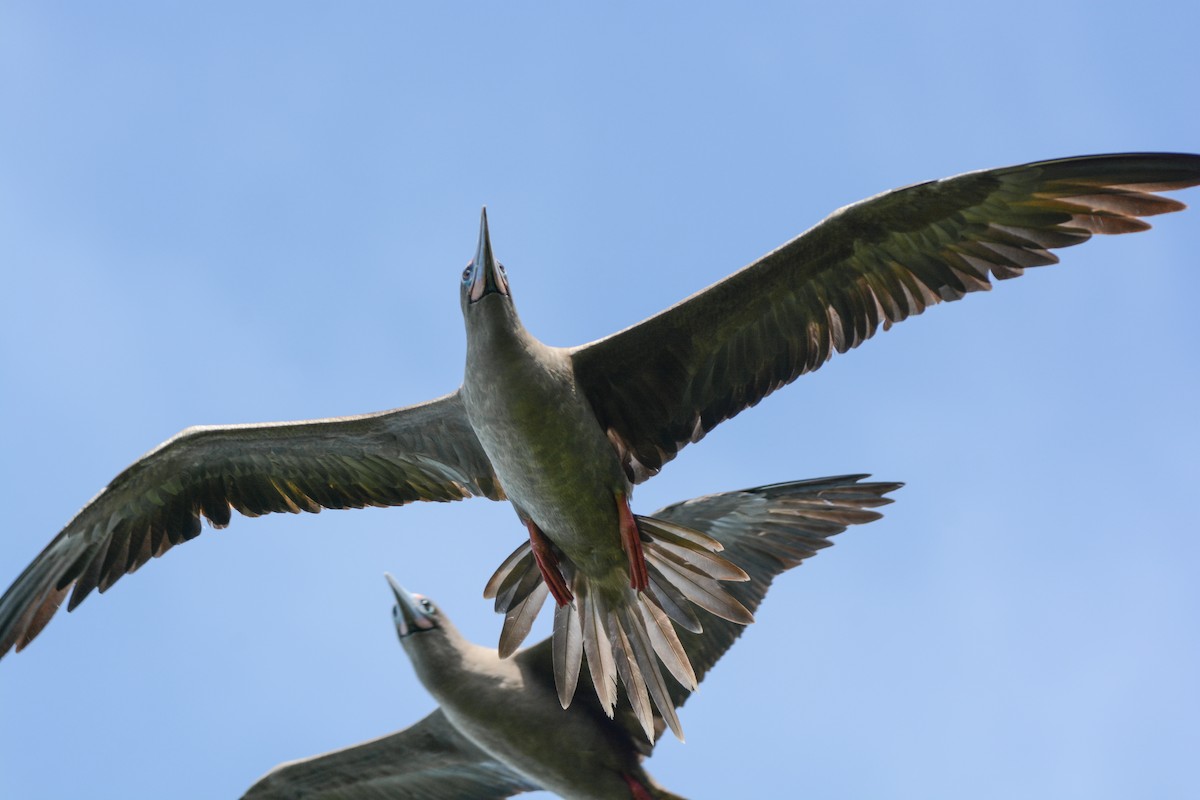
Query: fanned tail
[{"x": 624, "y": 634}]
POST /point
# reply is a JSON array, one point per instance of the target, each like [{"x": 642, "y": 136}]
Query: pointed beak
[
  {"x": 487, "y": 276},
  {"x": 409, "y": 617}
]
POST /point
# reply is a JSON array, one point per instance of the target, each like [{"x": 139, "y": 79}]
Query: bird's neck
[
  {"x": 455, "y": 670},
  {"x": 495, "y": 336}
]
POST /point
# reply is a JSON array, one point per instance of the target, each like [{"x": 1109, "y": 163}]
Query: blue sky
[{"x": 235, "y": 213}]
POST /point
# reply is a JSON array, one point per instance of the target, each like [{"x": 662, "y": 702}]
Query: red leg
[
  {"x": 636, "y": 790},
  {"x": 547, "y": 562},
  {"x": 631, "y": 541}
]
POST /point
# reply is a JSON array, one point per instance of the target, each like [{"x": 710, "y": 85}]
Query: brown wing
[
  {"x": 423, "y": 452},
  {"x": 669, "y": 380},
  {"x": 429, "y": 759}
]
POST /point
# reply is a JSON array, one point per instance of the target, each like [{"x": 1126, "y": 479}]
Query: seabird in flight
[{"x": 565, "y": 434}]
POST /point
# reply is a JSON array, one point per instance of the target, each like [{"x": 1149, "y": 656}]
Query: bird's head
[
  {"x": 430, "y": 640},
  {"x": 484, "y": 282},
  {"x": 413, "y": 614}
]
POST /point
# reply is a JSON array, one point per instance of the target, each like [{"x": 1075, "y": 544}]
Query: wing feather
[
  {"x": 422, "y": 452},
  {"x": 427, "y": 760},
  {"x": 667, "y": 381}
]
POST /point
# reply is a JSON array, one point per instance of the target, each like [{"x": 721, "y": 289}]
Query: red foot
[
  {"x": 543, "y": 554},
  {"x": 636, "y": 790},
  {"x": 631, "y": 541}
]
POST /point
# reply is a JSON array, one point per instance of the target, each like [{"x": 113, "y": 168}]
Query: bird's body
[
  {"x": 566, "y": 483},
  {"x": 553, "y": 461},
  {"x": 500, "y": 729}
]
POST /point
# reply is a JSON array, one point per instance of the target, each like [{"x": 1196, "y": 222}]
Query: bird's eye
[
  {"x": 502, "y": 270},
  {"x": 395, "y": 611},
  {"x": 467, "y": 273},
  {"x": 428, "y": 607}
]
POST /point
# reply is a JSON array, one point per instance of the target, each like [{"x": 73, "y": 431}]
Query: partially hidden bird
[
  {"x": 500, "y": 730},
  {"x": 565, "y": 433}
]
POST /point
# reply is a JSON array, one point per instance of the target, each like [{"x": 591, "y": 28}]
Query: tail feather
[
  {"x": 697, "y": 587},
  {"x": 665, "y": 537},
  {"x": 639, "y": 642},
  {"x": 666, "y": 643},
  {"x": 520, "y": 593},
  {"x": 567, "y": 647},
  {"x": 519, "y": 620},
  {"x": 600, "y": 657},
  {"x": 521, "y": 578},
  {"x": 506, "y": 568},
  {"x": 672, "y": 602},
  {"x": 631, "y": 675}
]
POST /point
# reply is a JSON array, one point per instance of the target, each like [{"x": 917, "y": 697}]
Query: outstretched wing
[
  {"x": 766, "y": 531},
  {"x": 670, "y": 379},
  {"x": 422, "y": 452},
  {"x": 429, "y": 759}
]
